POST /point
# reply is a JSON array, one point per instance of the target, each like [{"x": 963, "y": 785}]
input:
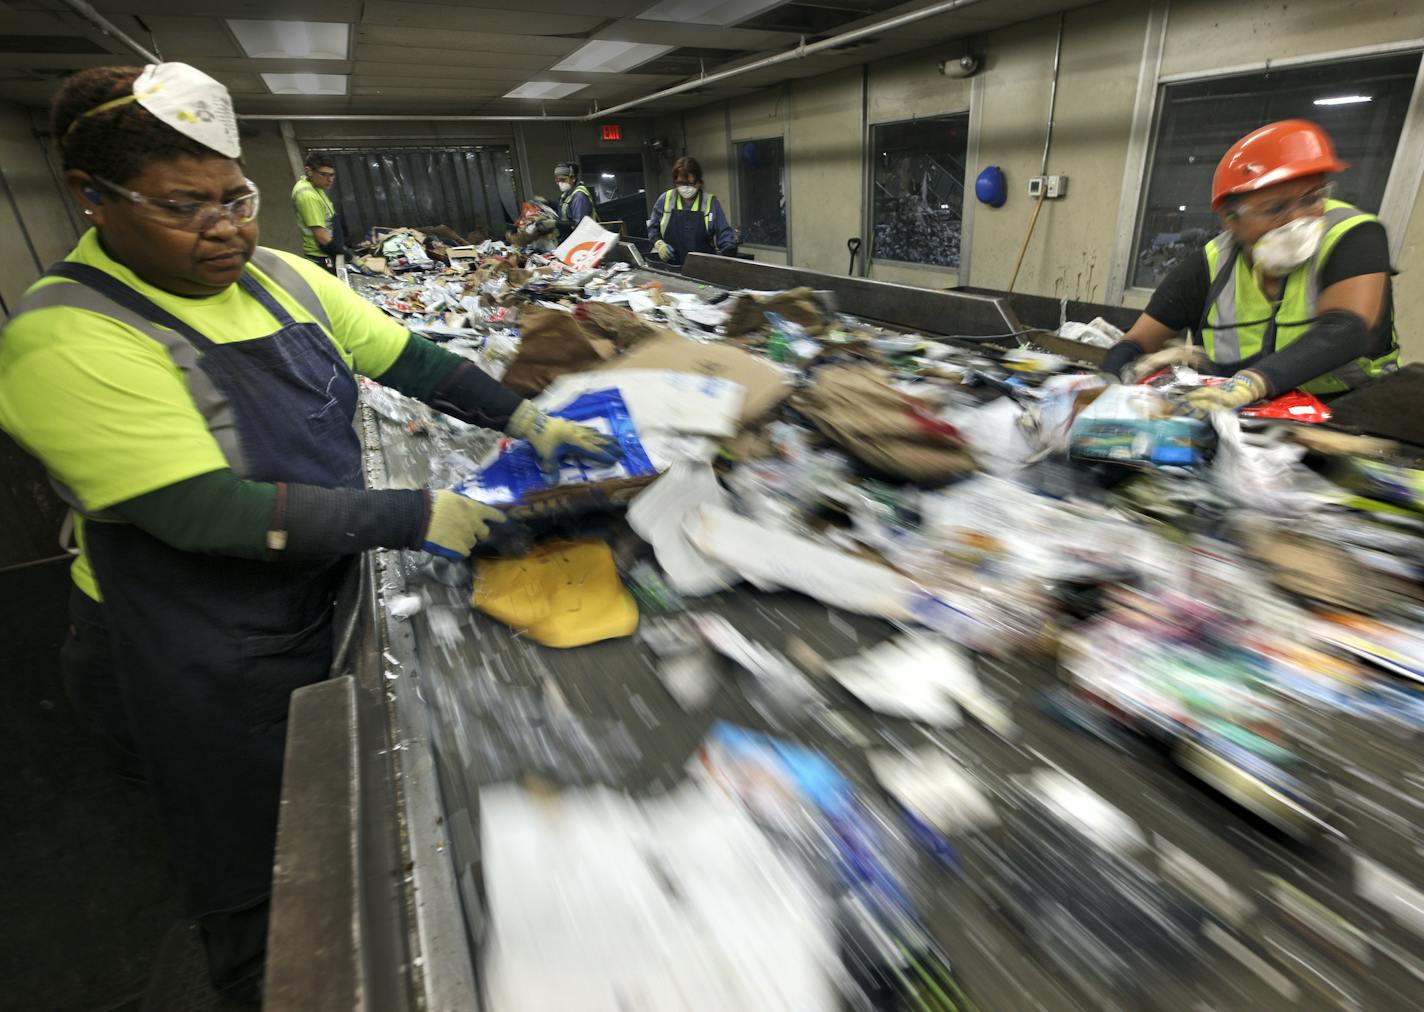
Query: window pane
[
  {"x": 919, "y": 189},
  {"x": 616, "y": 182},
  {"x": 466, "y": 188},
  {"x": 1199, "y": 120},
  {"x": 761, "y": 185}
]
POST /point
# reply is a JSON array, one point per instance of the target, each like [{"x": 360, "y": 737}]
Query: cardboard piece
[
  {"x": 799, "y": 305},
  {"x": 618, "y": 324},
  {"x": 552, "y": 343},
  {"x": 766, "y": 385},
  {"x": 857, "y": 409}
]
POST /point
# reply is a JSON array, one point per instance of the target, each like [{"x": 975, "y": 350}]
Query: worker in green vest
[
  {"x": 688, "y": 219},
  {"x": 192, "y": 395},
  {"x": 1294, "y": 292},
  {"x": 575, "y": 199},
  {"x": 316, "y": 216}
]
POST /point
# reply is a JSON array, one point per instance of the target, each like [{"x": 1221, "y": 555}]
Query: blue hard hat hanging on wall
[{"x": 991, "y": 188}]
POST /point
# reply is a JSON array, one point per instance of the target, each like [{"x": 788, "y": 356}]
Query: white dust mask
[
  {"x": 1282, "y": 250},
  {"x": 192, "y": 103},
  {"x": 565, "y": 186},
  {"x": 687, "y": 192}
]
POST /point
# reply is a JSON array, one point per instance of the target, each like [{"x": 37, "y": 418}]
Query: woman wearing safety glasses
[
  {"x": 192, "y": 395},
  {"x": 1295, "y": 292}
]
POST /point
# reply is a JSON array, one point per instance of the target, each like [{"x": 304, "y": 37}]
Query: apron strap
[
  {"x": 120, "y": 293},
  {"x": 290, "y": 281},
  {"x": 178, "y": 341},
  {"x": 254, "y": 288}
]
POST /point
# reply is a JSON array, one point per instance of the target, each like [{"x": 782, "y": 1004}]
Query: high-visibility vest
[
  {"x": 568, "y": 197},
  {"x": 671, "y": 201},
  {"x": 1240, "y": 321}
]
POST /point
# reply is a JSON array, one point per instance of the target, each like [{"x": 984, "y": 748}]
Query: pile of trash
[{"x": 1211, "y": 590}]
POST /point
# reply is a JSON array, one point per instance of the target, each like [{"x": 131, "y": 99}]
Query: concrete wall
[
  {"x": 264, "y": 159},
  {"x": 38, "y": 228},
  {"x": 1070, "y": 251}
]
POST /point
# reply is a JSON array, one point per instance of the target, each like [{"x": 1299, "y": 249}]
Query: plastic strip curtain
[{"x": 463, "y": 187}]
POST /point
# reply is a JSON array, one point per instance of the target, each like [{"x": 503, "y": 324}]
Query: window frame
[
  {"x": 735, "y": 162},
  {"x": 867, "y": 257},
  {"x": 1406, "y": 172}
]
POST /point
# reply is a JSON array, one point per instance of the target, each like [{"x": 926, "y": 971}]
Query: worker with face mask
[
  {"x": 1295, "y": 292},
  {"x": 575, "y": 199},
  {"x": 688, "y": 219}
]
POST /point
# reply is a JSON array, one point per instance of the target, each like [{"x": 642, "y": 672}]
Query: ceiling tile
[
  {"x": 190, "y": 39},
  {"x": 450, "y": 57},
  {"x": 283, "y": 10},
  {"x": 606, "y": 9},
  {"x": 440, "y": 38},
  {"x": 476, "y": 19}
]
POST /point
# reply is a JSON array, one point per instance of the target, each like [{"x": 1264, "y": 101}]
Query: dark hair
[
  {"x": 116, "y": 143},
  {"x": 319, "y": 160},
  {"x": 689, "y": 165}
]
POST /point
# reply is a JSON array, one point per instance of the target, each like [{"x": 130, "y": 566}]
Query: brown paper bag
[
  {"x": 856, "y": 408},
  {"x": 552, "y": 343}
]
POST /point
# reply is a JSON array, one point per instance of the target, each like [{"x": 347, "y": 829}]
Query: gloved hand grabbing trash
[
  {"x": 1246, "y": 387},
  {"x": 662, "y": 250},
  {"x": 458, "y": 524},
  {"x": 1183, "y": 354},
  {"x": 554, "y": 438}
]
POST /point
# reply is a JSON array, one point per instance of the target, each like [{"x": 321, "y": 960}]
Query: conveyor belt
[{"x": 496, "y": 707}]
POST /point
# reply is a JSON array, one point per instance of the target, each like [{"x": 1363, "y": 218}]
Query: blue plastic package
[{"x": 515, "y": 473}]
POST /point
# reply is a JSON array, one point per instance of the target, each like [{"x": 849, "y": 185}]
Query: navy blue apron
[
  {"x": 207, "y": 649},
  {"x": 687, "y": 232}
]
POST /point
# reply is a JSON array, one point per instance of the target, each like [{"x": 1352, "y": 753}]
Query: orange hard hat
[{"x": 1272, "y": 154}]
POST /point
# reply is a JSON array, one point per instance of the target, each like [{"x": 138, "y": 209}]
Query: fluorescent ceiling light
[
  {"x": 306, "y": 84},
  {"x": 306, "y": 40},
  {"x": 604, "y": 57},
  {"x": 544, "y": 89},
  {"x": 707, "y": 12},
  {"x": 1344, "y": 100}
]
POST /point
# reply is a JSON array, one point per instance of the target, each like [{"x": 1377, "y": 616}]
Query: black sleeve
[
  {"x": 219, "y": 513},
  {"x": 1335, "y": 339},
  {"x": 1180, "y": 299},
  {"x": 1362, "y": 250},
  {"x": 1120, "y": 356}
]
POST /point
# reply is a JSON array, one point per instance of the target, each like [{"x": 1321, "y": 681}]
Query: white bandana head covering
[
  {"x": 185, "y": 99},
  {"x": 192, "y": 103}
]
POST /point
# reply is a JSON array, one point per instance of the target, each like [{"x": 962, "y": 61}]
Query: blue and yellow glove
[
  {"x": 662, "y": 250},
  {"x": 556, "y": 438}
]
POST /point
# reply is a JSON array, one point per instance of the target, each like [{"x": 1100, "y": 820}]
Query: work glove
[
  {"x": 555, "y": 438},
  {"x": 1246, "y": 387},
  {"x": 662, "y": 250},
  {"x": 458, "y": 524},
  {"x": 1183, "y": 354}
]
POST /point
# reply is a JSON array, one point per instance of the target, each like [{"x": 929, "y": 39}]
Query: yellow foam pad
[{"x": 564, "y": 594}]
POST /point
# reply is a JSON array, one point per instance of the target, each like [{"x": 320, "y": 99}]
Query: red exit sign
[{"x": 612, "y": 132}]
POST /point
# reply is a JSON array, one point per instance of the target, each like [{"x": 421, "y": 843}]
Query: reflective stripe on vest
[
  {"x": 702, "y": 202},
  {"x": 211, "y": 403},
  {"x": 568, "y": 198},
  {"x": 1235, "y": 324}
]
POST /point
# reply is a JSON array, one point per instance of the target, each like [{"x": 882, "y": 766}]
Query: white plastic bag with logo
[{"x": 587, "y": 246}]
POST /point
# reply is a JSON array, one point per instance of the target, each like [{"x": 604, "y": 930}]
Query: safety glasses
[
  {"x": 1271, "y": 210},
  {"x": 190, "y": 216}
]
